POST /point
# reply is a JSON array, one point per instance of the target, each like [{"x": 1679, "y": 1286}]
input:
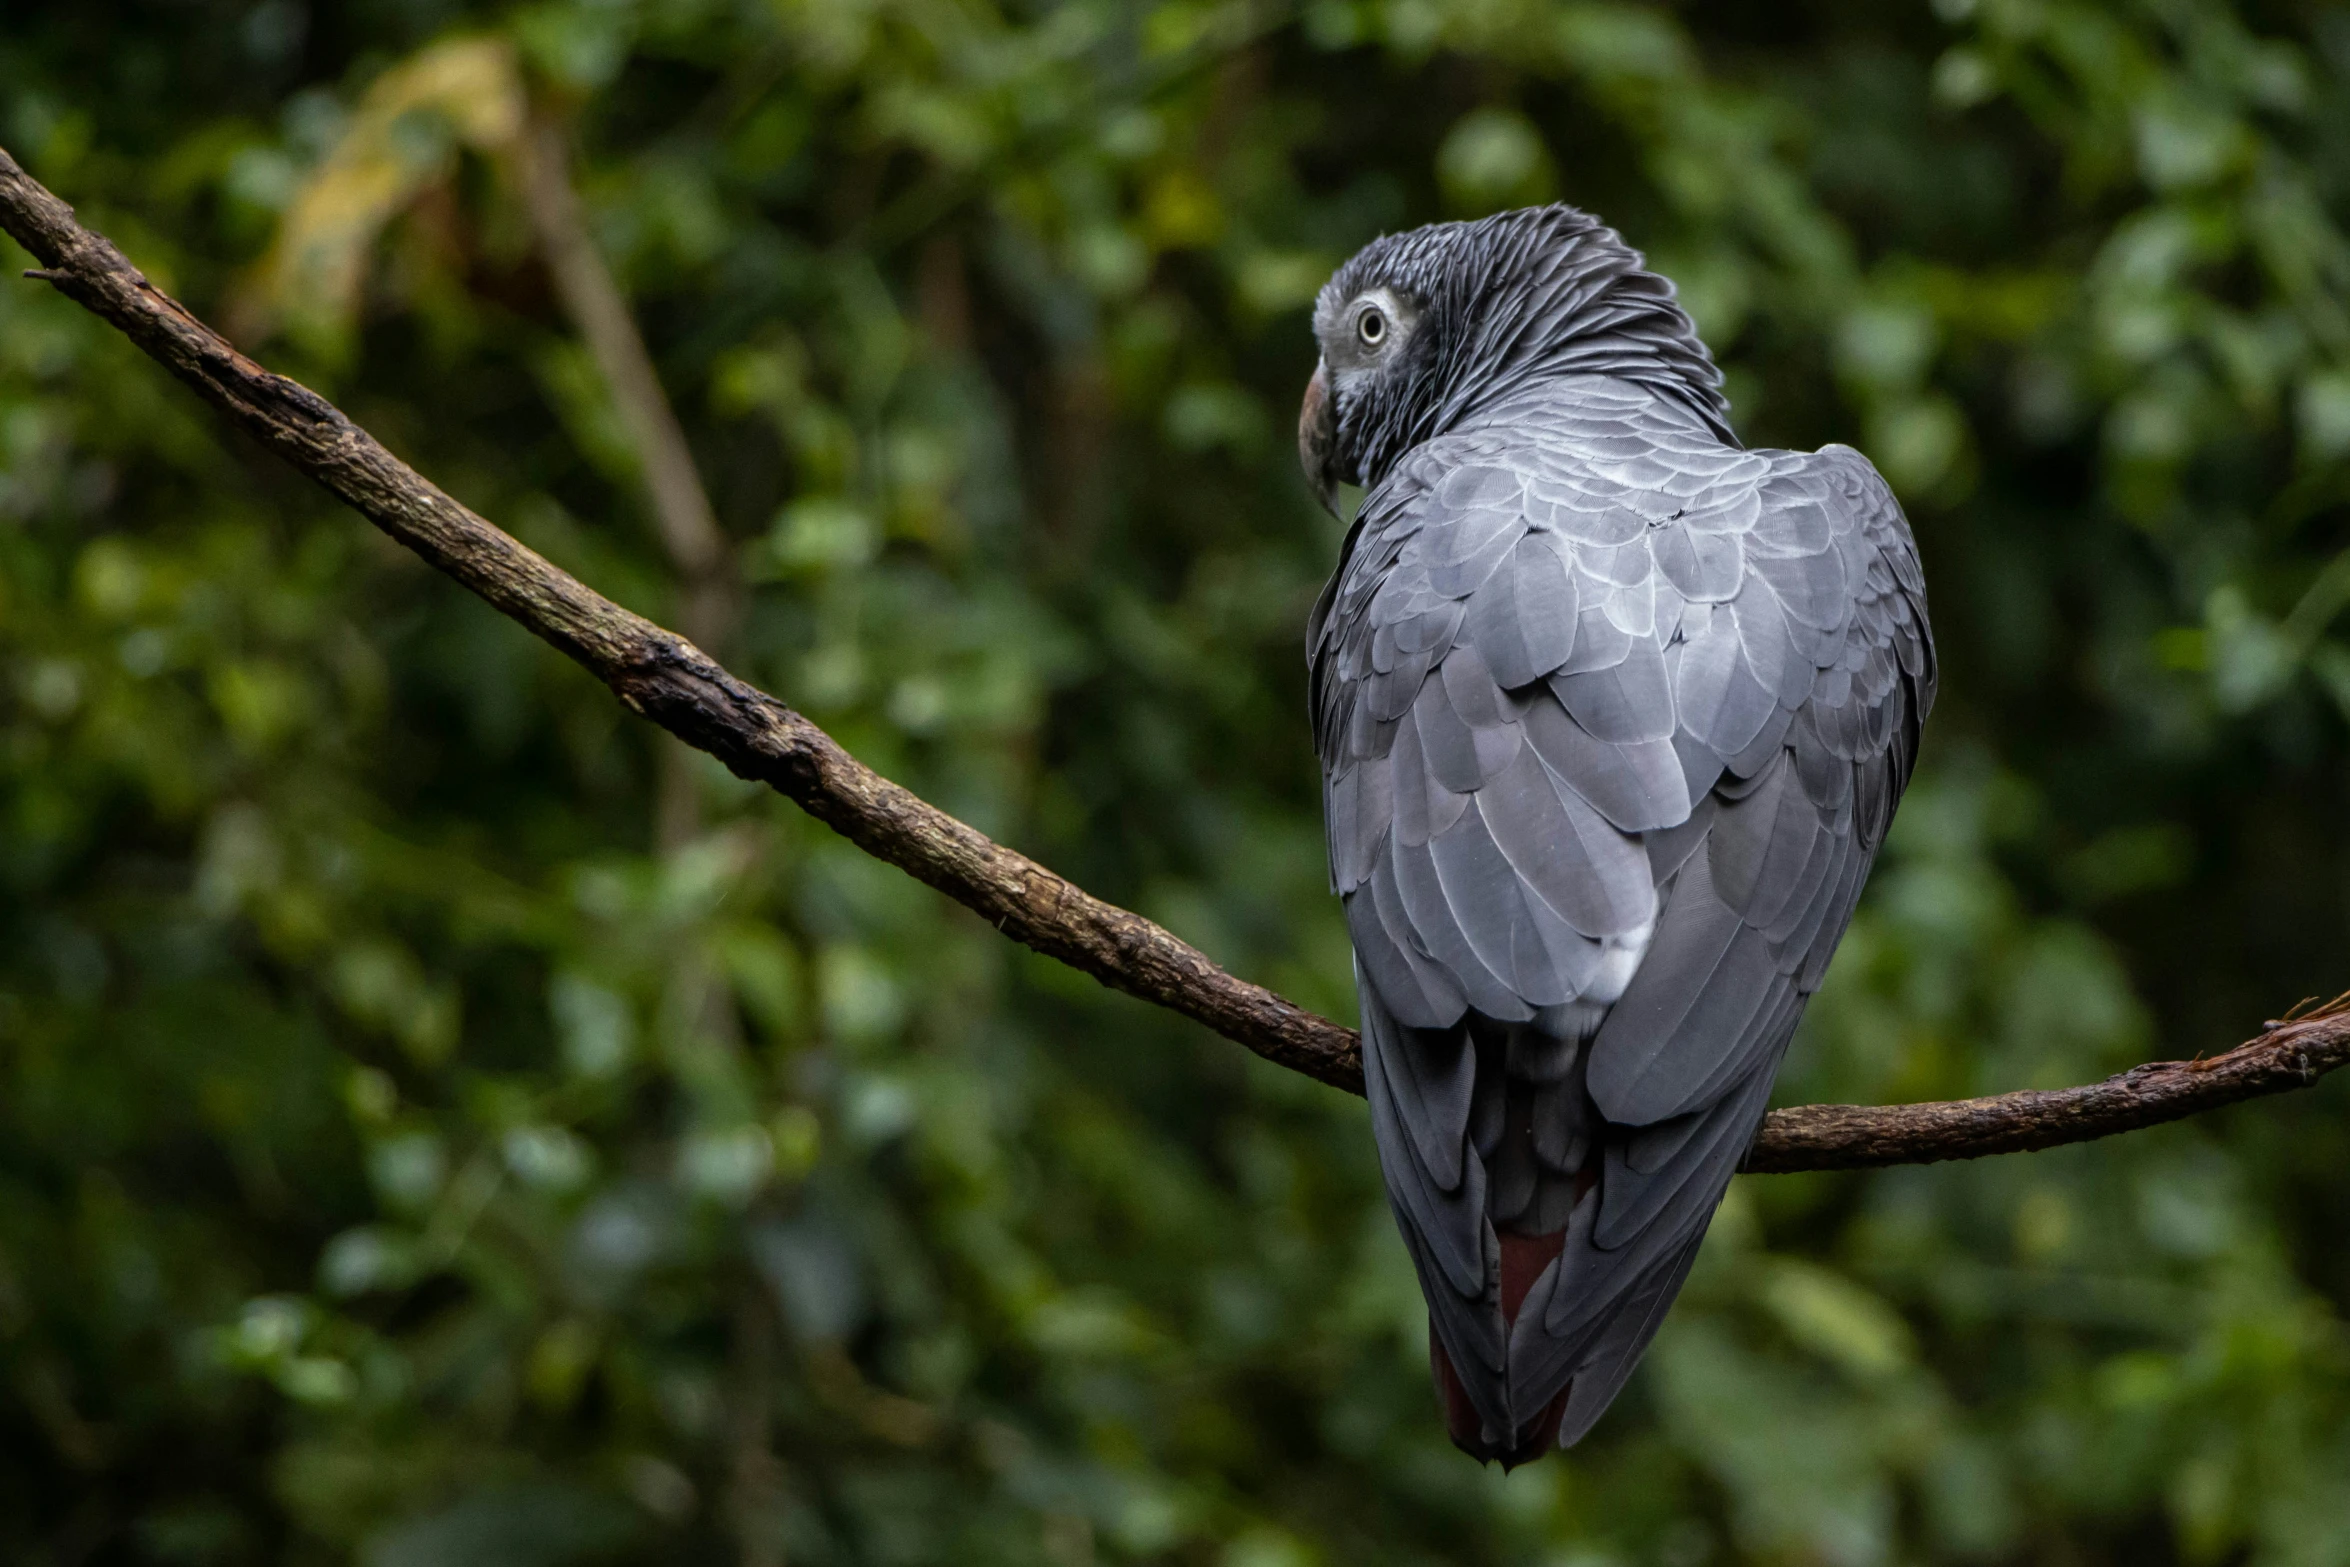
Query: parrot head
[
  {"x": 1420, "y": 329},
  {"x": 1366, "y": 336}
]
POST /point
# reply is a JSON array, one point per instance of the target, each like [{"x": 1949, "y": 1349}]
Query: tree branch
[
  {"x": 2289, "y": 1053},
  {"x": 670, "y": 681},
  {"x": 661, "y": 675}
]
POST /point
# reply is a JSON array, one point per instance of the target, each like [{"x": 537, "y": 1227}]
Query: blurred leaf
[{"x": 441, "y": 1124}]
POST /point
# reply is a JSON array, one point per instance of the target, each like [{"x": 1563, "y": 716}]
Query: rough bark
[
  {"x": 2289, "y": 1053},
  {"x": 667, "y": 679}
]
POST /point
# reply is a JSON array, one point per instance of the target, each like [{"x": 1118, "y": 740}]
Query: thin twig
[
  {"x": 709, "y": 588},
  {"x": 667, "y": 679},
  {"x": 697, "y": 548}
]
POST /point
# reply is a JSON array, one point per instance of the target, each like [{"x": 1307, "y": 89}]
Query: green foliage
[{"x": 410, "y": 1152}]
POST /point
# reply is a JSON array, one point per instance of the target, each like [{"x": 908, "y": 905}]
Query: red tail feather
[{"x": 1523, "y": 1257}]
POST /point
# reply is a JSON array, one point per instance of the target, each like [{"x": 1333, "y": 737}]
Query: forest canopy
[{"x": 442, "y": 1121}]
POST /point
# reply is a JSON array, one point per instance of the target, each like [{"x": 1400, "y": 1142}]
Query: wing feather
[
  {"x": 1420, "y": 991},
  {"x": 1436, "y": 925},
  {"x": 1524, "y": 619},
  {"x": 1562, "y": 851},
  {"x": 1638, "y": 785},
  {"x": 1631, "y": 699},
  {"x": 1452, "y": 1249}
]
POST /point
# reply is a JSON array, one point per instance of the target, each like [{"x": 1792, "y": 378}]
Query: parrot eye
[{"x": 1371, "y": 327}]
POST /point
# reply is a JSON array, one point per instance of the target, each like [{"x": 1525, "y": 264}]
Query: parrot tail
[{"x": 1523, "y": 1257}]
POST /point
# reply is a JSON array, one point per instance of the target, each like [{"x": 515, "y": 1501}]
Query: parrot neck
[{"x": 1626, "y": 326}]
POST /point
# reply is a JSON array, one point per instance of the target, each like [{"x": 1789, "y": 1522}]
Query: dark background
[{"x": 413, "y": 1153}]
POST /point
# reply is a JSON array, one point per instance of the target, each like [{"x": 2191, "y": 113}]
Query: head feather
[{"x": 1540, "y": 293}]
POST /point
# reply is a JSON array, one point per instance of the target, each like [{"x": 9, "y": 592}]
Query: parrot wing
[{"x": 1612, "y": 725}]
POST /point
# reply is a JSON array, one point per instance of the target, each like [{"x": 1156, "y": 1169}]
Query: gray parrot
[{"x": 1613, "y": 714}]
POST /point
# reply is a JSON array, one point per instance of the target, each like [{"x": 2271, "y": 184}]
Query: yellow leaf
[{"x": 400, "y": 142}]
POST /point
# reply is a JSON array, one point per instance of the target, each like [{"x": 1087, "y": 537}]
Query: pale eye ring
[{"x": 1371, "y": 327}]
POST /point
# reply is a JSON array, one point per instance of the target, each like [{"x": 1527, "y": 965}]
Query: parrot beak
[{"x": 1317, "y": 438}]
